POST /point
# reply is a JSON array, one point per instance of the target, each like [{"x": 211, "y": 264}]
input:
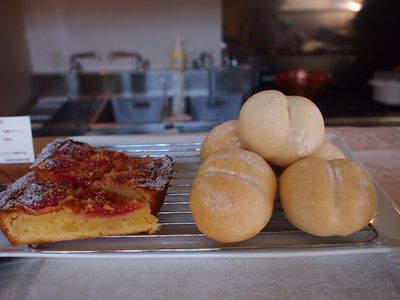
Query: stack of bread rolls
[{"x": 322, "y": 193}]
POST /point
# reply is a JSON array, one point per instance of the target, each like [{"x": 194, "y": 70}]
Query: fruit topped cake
[{"x": 74, "y": 191}]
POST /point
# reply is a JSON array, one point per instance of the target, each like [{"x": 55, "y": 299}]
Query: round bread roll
[
  {"x": 327, "y": 197},
  {"x": 280, "y": 128},
  {"x": 244, "y": 164},
  {"x": 221, "y": 137},
  {"x": 233, "y": 195},
  {"x": 329, "y": 151}
]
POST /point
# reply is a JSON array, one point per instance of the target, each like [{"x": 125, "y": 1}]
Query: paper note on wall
[{"x": 16, "y": 145}]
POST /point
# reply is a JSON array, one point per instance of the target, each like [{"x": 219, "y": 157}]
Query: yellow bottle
[{"x": 178, "y": 56}]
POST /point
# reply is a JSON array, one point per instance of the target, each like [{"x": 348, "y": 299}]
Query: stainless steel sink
[
  {"x": 94, "y": 84},
  {"x": 219, "y": 80},
  {"x": 126, "y": 83},
  {"x": 150, "y": 81},
  {"x": 218, "y": 106},
  {"x": 130, "y": 99}
]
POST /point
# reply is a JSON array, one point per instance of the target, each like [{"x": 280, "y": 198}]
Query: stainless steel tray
[{"x": 179, "y": 235}]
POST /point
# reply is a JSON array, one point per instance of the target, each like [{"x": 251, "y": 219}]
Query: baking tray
[{"x": 179, "y": 235}]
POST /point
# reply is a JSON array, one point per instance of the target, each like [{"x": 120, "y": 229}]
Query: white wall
[
  {"x": 58, "y": 28},
  {"x": 15, "y": 86}
]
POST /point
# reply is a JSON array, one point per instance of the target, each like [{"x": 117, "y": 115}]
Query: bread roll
[
  {"x": 242, "y": 163},
  {"x": 222, "y": 137},
  {"x": 327, "y": 198},
  {"x": 280, "y": 128},
  {"x": 329, "y": 151},
  {"x": 233, "y": 195}
]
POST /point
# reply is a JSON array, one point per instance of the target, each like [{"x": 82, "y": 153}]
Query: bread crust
[
  {"x": 233, "y": 195},
  {"x": 329, "y": 151},
  {"x": 327, "y": 198},
  {"x": 282, "y": 129},
  {"x": 222, "y": 137}
]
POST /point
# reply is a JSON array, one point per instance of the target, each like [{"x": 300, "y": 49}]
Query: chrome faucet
[
  {"x": 141, "y": 64},
  {"x": 228, "y": 61},
  {"x": 74, "y": 63},
  {"x": 204, "y": 61}
]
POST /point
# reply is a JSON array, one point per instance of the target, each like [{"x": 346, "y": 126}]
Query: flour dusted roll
[
  {"x": 280, "y": 128},
  {"x": 242, "y": 163},
  {"x": 329, "y": 151},
  {"x": 233, "y": 195},
  {"x": 221, "y": 137},
  {"x": 327, "y": 198}
]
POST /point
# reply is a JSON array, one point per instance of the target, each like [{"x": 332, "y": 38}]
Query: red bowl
[{"x": 309, "y": 84}]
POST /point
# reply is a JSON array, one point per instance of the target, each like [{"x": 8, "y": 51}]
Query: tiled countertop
[{"x": 379, "y": 149}]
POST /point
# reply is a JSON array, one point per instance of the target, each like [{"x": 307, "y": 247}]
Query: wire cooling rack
[{"x": 178, "y": 231}]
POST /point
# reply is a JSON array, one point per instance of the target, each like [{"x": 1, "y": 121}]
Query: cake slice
[
  {"x": 32, "y": 211},
  {"x": 143, "y": 178},
  {"x": 74, "y": 191}
]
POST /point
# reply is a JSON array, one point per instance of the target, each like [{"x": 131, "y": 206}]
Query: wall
[
  {"x": 14, "y": 61},
  {"x": 58, "y": 28}
]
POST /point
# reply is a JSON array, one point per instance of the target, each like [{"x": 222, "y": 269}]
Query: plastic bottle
[{"x": 178, "y": 56}]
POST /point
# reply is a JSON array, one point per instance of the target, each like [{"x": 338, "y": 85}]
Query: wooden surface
[
  {"x": 377, "y": 147},
  {"x": 11, "y": 172}
]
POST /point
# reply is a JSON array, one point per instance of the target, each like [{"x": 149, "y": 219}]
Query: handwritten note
[{"x": 16, "y": 144}]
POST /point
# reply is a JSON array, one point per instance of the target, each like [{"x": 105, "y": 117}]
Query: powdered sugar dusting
[
  {"x": 31, "y": 197},
  {"x": 18, "y": 185},
  {"x": 161, "y": 169},
  {"x": 49, "y": 164},
  {"x": 29, "y": 193},
  {"x": 67, "y": 147},
  {"x": 47, "y": 151}
]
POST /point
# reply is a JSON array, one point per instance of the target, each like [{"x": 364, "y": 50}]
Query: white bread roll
[
  {"x": 329, "y": 151},
  {"x": 233, "y": 195},
  {"x": 222, "y": 137},
  {"x": 280, "y": 128},
  {"x": 327, "y": 197},
  {"x": 242, "y": 163}
]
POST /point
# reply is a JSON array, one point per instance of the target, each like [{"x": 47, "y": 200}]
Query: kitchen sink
[
  {"x": 96, "y": 84},
  {"x": 153, "y": 81},
  {"x": 76, "y": 111},
  {"x": 211, "y": 80},
  {"x": 120, "y": 83},
  {"x": 139, "y": 102},
  {"x": 219, "y": 106}
]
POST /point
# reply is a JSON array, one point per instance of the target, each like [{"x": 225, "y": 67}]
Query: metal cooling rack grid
[{"x": 179, "y": 233}]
